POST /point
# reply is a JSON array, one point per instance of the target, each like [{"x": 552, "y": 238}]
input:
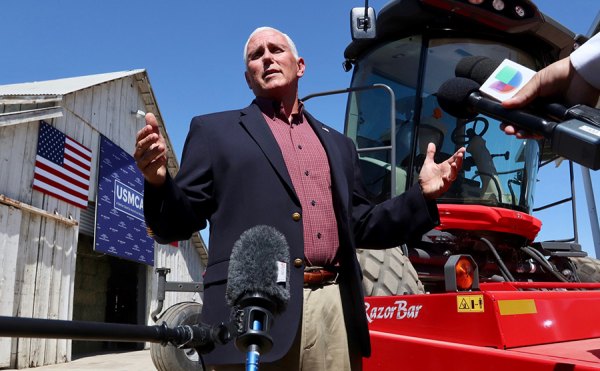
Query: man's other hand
[{"x": 435, "y": 179}]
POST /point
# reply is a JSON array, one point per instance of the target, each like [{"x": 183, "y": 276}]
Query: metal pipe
[
  {"x": 591, "y": 204},
  {"x": 574, "y": 203},
  {"x": 200, "y": 336},
  {"x": 392, "y": 146},
  {"x": 80, "y": 330},
  {"x": 160, "y": 292}
]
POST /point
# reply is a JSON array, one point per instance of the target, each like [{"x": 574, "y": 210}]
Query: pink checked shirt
[{"x": 308, "y": 166}]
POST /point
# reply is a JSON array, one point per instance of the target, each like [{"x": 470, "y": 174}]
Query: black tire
[
  {"x": 588, "y": 269},
  {"x": 388, "y": 272},
  {"x": 169, "y": 358}
]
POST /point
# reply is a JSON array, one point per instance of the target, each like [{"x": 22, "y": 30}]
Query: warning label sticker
[{"x": 469, "y": 303}]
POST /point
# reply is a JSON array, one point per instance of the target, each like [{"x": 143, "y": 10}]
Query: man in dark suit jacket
[{"x": 248, "y": 167}]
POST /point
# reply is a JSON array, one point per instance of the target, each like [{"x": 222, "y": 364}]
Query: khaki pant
[{"x": 322, "y": 344}]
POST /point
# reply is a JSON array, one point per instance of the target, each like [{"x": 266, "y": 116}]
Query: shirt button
[
  {"x": 319, "y": 235},
  {"x": 296, "y": 216},
  {"x": 298, "y": 262},
  {"x": 313, "y": 202},
  {"x": 299, "y": 146},
  {"x": 306, "y": 172}
]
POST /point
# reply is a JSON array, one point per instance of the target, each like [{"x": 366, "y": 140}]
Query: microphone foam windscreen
[
  {"x": 465, "y": 66},
  {"x": 453, "y": 97},
  {"x": 483, "y": 70},
  {"x": 259, "y": 264},
  {"x": 476, "y": 68}
]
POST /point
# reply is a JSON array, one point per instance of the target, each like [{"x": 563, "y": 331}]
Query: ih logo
[{"x": 507, "y": 80}]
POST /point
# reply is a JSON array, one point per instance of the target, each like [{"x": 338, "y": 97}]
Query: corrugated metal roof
[{"x": 62, "y": 86}]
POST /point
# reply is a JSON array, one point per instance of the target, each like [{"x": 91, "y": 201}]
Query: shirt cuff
[{"x": 586, "y": 60}]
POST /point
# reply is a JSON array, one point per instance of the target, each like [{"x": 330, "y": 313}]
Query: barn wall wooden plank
[
  {"x": 7, "y": 135},
  {"x": 28, "y": 246},
  {"x": 42, "y": 282},
  {"x": 83, "y": 109},
  {"x": 18, "y": 159},
  {"x": 115, "y": 110},
  {"x": 56, "y": 293},
  {"x": 28, "y": 165},
  {"x": 68, "y": 284},
  {"x": 10, "y": 224}
]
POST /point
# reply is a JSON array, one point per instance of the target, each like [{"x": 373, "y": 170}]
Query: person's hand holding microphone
[{"x": 560, "y": 80}]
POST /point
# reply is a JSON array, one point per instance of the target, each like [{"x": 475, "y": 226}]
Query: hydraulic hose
[
  {"x": 535, "y": 255},
  {"x": 505, "y": 272}
]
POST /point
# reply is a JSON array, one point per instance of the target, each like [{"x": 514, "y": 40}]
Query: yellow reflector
[
  {"x": 523, "y": 306},
  {"x": 464, "y": 270}
]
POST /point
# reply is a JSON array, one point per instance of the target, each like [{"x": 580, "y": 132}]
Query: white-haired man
[{"x": 274, "y": 164}]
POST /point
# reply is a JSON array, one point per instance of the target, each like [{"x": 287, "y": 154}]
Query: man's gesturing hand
[
  {"x": 435, "y": 179},
  {"x": 151, "y": 152}
]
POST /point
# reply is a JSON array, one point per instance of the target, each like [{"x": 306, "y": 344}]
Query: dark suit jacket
[{"x": 233, "y": 175}]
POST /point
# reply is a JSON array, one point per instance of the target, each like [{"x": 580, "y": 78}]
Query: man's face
[{"x": 272, "y": 71}]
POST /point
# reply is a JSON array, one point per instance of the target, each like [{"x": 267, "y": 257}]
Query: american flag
[{"x": 62, "y": 167}]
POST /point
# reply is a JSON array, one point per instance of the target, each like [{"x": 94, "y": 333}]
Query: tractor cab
[{"x": 399, "y": 62}]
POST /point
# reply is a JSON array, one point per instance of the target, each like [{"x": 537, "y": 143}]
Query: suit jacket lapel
[{"x": 252, "y": 119}]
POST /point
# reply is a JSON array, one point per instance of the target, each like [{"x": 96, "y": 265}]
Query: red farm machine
[{"x": 477, "y": 292}]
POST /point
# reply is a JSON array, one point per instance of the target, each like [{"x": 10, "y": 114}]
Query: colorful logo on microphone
[{"x": 507, "y": 80}]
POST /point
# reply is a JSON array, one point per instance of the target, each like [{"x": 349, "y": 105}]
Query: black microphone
[
  {"x": 461, "y": 98},
  {"x": 480, "y": 68},
  {"x": 258, "y": 287},
  {"x": 573, "y": 139}
]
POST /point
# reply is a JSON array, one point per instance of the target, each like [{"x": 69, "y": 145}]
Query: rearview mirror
[{"x": 362, "y": 23}]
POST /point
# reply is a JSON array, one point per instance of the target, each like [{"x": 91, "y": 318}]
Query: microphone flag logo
[{"x": 508, "y": 78}]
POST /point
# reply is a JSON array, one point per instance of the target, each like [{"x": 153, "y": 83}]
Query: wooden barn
[{"x": 52, "y": 267}]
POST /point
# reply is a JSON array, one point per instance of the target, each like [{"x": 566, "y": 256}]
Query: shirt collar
[{"x": 274, "y": 109}]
